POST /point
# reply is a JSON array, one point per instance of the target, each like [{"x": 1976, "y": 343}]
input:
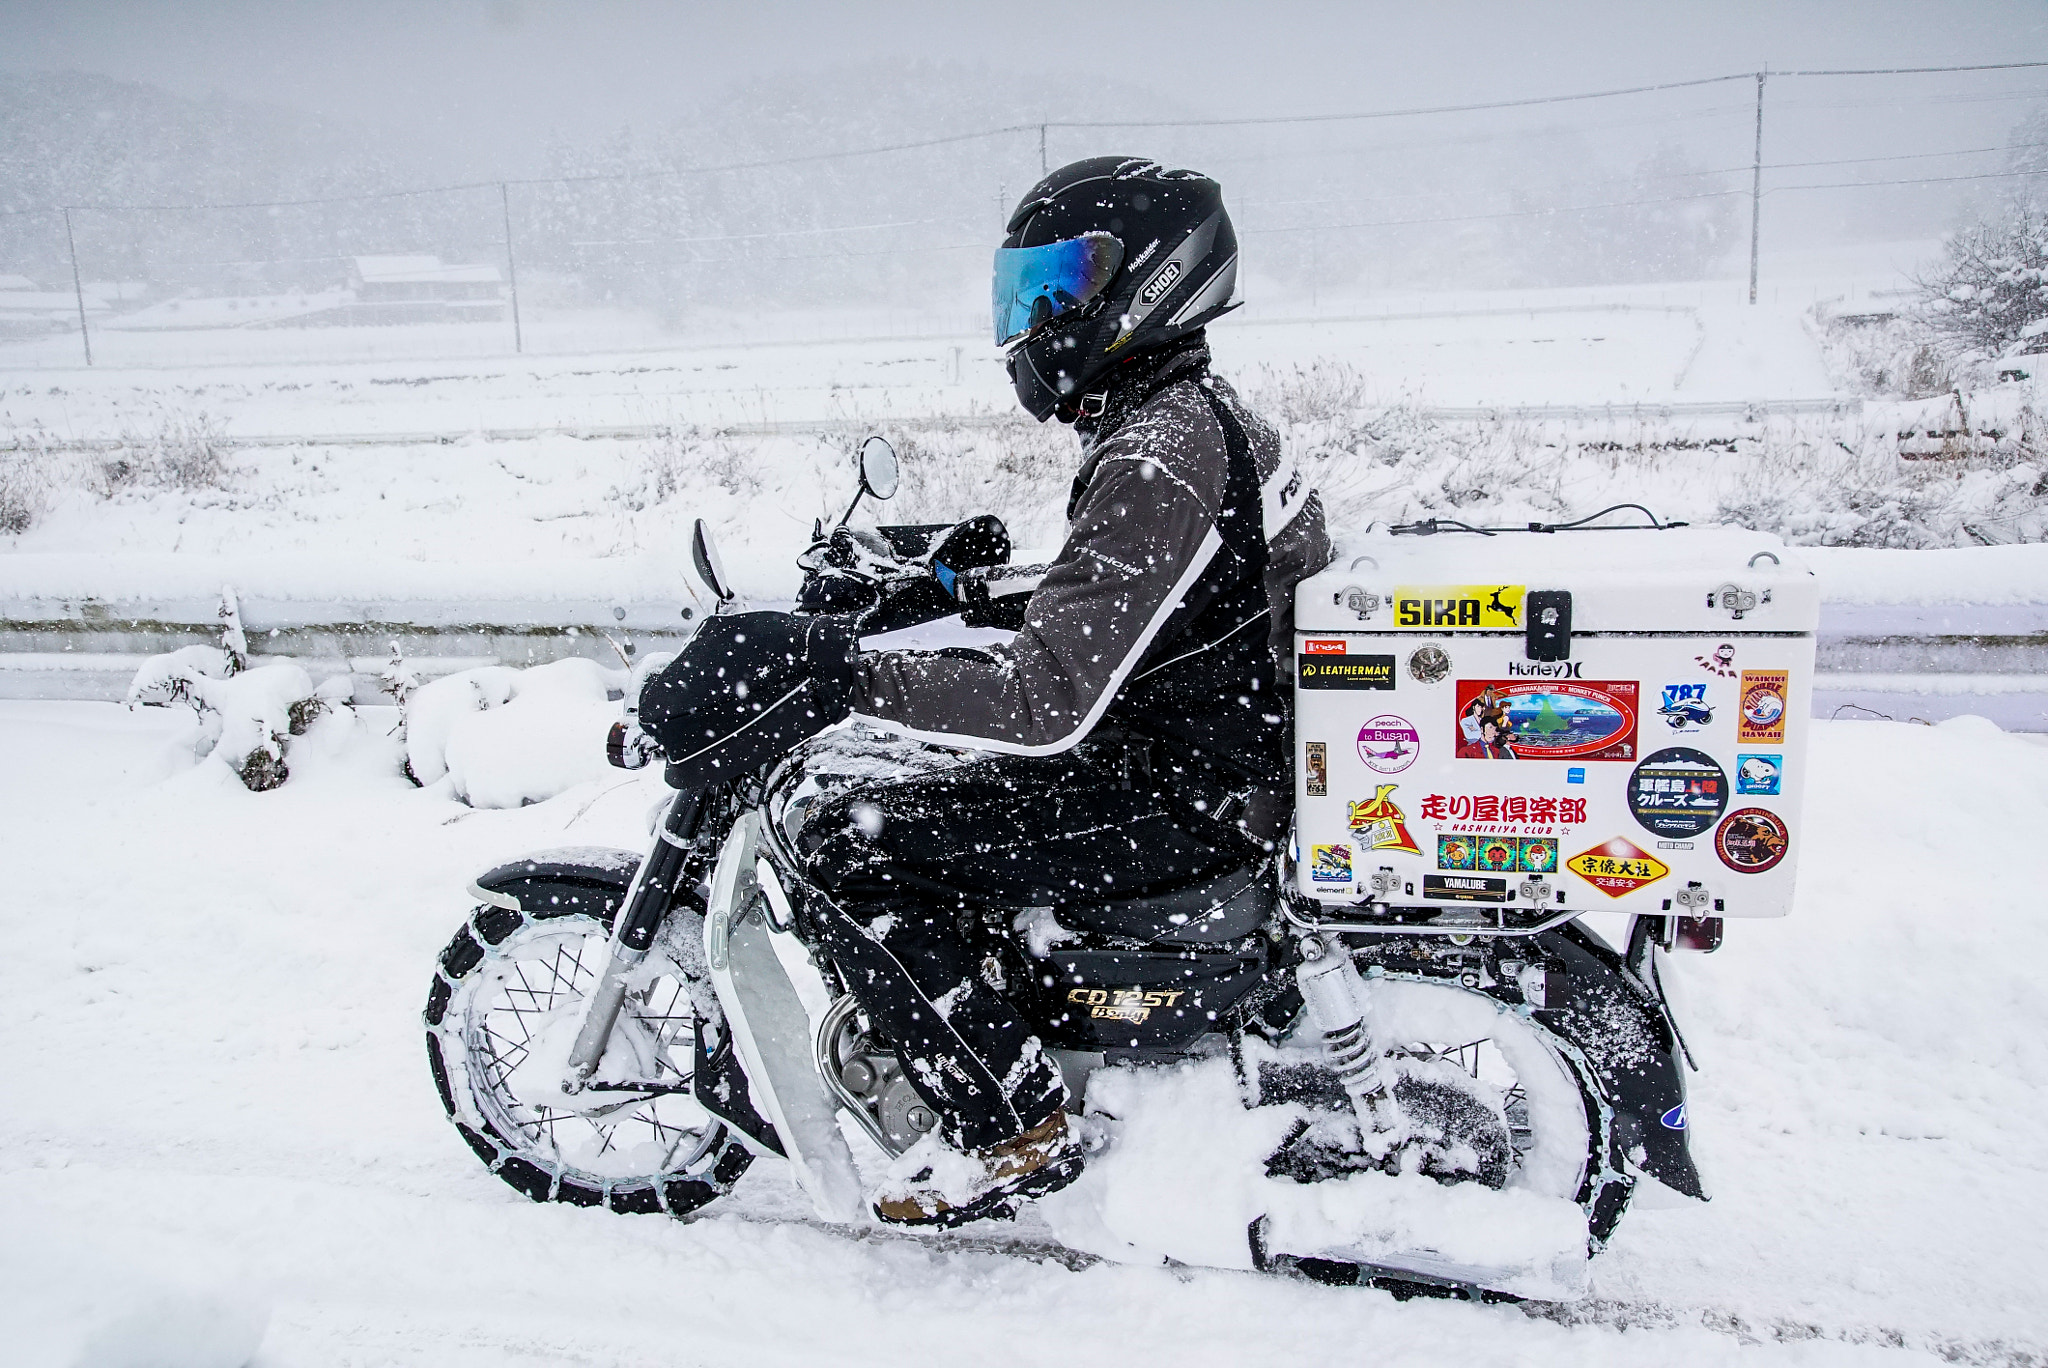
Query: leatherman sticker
[
  {"x": 1510, "y": 719},
  {"x": 1434, "y": 607},
  {"x": 1316, "y": 766},
  {"x": 1763, "y": 708},
  {"x": 1345, "y": 671},
  {"x": 1389, "y": 744}
]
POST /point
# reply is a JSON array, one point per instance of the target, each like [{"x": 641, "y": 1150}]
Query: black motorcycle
[{"x": 633, "y": 1030}]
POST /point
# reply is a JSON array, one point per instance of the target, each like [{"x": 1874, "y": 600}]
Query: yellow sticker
[
  {"x": 1444, "y": 607},
  {"x": 1617, "y": 867}
]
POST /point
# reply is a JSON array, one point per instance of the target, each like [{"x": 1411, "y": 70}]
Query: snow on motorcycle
[{"x": 1391, "y": 1054}]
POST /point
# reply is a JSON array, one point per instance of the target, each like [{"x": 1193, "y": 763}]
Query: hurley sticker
[
  {"x": 1509, "y": 719},
  {"x": 1763, "y": 708},
  {"x": 1762, "y": 775},
  {"x": 1751, "y": 840},
  {"x": 1316, "y": 768},
  {"x": 1617, "y": 867},
  {"x": 1330, "y": 863},
  {"x": 1379, "y": 823},
  {"x": 1677, "y": 792},
  {"x": 1389, "y": 744}
]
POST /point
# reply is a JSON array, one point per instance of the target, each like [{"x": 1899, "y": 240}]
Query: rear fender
[{"x": 1627, "y": 1037}]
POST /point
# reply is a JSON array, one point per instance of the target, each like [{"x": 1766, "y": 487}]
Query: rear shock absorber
[{"x": 1335, "y": 996}]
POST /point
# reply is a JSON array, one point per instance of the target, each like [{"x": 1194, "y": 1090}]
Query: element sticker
[
  {"x": 1436, "y": 606},
  {"x": 1685, "y": 707},
  {"x": 1678, "y": 792},
  {"x": 1316, "y": 767},
  {"x": 1345, "y": 671},
  {"x": 1763, "y": 775},
  {"x": 1330, "y": 863},
  {"x": 1752, "y": 840},
  {"x": 1506, "y": 719},
  {"x": 1763, "y": 708},
  {"x": 1617, "y": 867},
  {"x": 1380, "y": 824},
  {"x": 1389, "y": 744}
]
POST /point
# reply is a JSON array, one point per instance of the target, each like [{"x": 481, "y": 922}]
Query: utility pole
[
  {"x": 1756, "y": 182},
  {"x": 512, "y": 266},
  {"x": 77, "y": 289},
  {"x": 1043, "y": 166}
]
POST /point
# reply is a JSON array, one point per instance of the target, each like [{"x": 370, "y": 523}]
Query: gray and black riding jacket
[{"x": 1168, "y": 616}]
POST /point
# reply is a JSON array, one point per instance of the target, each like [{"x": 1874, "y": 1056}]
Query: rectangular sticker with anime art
[{"x": 1553, "y": 719}]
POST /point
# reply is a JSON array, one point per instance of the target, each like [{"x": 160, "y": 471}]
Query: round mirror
[{"x": 878, "y": 468}]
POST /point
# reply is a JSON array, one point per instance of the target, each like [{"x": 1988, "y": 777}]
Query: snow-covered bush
[
  {"x": 500, "y": 737},
  {"x": 247, "y": 716},
  {"x": 183, "y": 451},
  {"x": 1990, "y": 291}
]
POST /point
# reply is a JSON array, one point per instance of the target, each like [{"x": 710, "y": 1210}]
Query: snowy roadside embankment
[{"x": 210, "y": 1013}]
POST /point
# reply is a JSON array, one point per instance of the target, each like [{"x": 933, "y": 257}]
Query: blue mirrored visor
[{"x": 1034, "y": 284}]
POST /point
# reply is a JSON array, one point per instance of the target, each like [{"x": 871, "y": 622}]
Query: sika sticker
[
  {"x": 1506, "y": 719},
  {"x": 1344, "y": 671},
  {"x": 1497, "y": 854},
  {"x": 1617, "y": 867},
  {"x": 1763, "y": 708},
  {"x": 1389, "y": 744},
  {"x": 1434, "y": 607},
  {"x": 1751, "y": 840},
  {"x": 1685, "y": 707},
  {"x": 1677, "y": 792},
  {"x": 1464, "y": 888},
  {"x": 1429, "y": 664},
  {"x": 1762, "y": 775},
  {"x": 1316, "y": 768},
  {"x": 1379, "y": 823},
  {"x": 1330, "y": 863}
]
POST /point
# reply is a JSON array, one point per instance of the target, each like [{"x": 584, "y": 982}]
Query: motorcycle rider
[{"x": 1132, "y": 740}]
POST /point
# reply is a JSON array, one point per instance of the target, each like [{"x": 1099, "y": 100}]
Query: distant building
[{"x": 397, "y": 279}]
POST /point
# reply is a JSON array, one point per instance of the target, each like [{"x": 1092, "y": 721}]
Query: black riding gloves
[{"x": 746, "y": 690}]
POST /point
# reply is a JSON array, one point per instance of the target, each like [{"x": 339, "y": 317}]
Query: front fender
[{"x": 586, "y": 879}]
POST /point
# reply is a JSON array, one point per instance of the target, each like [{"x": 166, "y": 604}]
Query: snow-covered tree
[{"x": 1990, "y": 290}]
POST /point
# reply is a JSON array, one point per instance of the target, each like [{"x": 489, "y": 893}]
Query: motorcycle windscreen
[{"x": 1034, "y": 285}]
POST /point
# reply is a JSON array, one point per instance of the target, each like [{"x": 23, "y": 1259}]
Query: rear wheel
[{"x": 501, "y": 1016}]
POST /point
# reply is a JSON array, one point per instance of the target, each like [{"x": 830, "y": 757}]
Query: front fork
[
  {"x": 1336, "y": 999},
  {"x": 641, "y": 913}
]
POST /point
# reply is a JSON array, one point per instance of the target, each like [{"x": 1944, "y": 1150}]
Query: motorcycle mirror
[
  {"x": 704, "y": 556},
  {"x": 878, "y": 469}
]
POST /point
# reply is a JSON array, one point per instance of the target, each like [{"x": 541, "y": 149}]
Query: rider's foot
[{"x": 1043, "y": 1159}]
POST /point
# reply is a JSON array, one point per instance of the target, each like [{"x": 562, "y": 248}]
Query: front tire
[{"x": 509, "y": 990}]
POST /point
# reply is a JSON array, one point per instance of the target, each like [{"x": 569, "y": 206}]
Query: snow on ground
[{"x": 209, "y": 1017}]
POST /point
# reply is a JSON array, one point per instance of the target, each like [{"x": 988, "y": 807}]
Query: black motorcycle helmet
[{"x": 1105, "y": 259}]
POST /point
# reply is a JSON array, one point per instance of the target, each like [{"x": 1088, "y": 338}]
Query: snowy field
[{"x": 218, "y": 1122}]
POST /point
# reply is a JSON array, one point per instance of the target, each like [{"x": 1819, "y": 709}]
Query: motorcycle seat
[{"x": 1226, "y": 908}]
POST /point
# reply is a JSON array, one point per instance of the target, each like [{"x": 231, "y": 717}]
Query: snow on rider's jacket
[{"x": 1163, "y": 619}]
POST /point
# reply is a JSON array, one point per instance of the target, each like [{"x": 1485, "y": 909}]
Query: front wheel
[{"x": 501, "y": 1017}]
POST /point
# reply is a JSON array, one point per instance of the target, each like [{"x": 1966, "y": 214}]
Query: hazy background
[{"x": 195, "y": 104}]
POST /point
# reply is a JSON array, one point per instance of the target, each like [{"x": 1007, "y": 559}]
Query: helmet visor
[{"x": 1034, "y": 284}]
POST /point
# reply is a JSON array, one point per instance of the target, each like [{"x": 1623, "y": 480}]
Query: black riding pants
[{"x": 904, "y": 862}]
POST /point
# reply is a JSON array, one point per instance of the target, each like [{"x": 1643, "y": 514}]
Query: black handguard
[{"x": 745, "y": 691}]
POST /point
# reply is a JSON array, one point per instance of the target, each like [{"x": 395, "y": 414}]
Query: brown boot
[{"x": 1043, "y": 1159}]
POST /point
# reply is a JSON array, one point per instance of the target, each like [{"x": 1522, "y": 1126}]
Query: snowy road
[{"x": 213, "y": 1078}]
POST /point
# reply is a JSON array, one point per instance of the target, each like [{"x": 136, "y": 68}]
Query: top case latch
[{"x": 1547, "y": 624}]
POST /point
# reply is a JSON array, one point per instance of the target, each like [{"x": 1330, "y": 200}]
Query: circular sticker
[
  {"x": 1388, "y": 743},
  {"x": 1677, "y": 791},
  {"x": 1752, "y": 840},
  {"x": 1429, "y": 665}
]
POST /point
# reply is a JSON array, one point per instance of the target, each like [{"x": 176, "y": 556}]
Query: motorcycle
[{"x": 632, "y": 1030}]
